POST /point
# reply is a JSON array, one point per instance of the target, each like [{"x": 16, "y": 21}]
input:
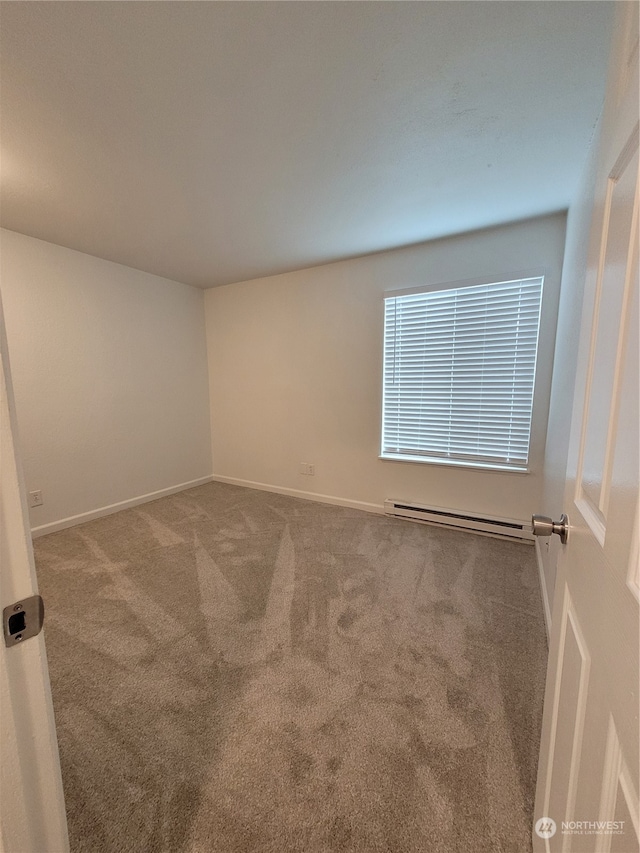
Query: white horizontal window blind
[{"x": 459, "y": 372}]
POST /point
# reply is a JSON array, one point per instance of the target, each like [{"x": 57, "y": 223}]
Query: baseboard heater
[{"x": 505, "y": 528}]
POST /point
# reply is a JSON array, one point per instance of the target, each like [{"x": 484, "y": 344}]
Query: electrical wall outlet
[
  {"x": 307, "y": 468},
  {"x": 35, "y": 498}
]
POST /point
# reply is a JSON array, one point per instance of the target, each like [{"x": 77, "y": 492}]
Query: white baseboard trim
[
  {"x": 72, "y": 520},
  {"x": 543, "y": 589},
  {"x": 298, "y": 493}
]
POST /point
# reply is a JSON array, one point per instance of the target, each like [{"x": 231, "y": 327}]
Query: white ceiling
[{"x": 216, "y": 142}]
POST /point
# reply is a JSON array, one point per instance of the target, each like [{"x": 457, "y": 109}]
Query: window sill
[{"x": 454, "y": 463}]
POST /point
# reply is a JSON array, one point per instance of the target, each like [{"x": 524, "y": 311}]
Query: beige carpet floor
[{"x": 236, "y": 671}]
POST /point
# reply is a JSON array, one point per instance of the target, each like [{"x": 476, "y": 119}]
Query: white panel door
[{"x": 587, "y": 796}]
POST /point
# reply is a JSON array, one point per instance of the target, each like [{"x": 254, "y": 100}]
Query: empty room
[{"x": 319, "y": 463}]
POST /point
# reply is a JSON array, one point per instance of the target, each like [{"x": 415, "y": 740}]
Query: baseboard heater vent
[{"x": 505, "y": 528}]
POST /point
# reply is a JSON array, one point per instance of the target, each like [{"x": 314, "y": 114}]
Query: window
[{"x": 459, "y": 371}]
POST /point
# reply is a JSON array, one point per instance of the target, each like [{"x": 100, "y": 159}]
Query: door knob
[{"x": 542, "y": 525}]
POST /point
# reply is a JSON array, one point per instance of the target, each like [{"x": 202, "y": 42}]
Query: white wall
[
  {"x": 295, "y": 364},
  {"x": 565, "y": 365},
  {"x": 110, "y": 377}
]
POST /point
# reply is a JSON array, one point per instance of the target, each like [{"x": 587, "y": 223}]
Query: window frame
[{"x": 467, "y": 464}]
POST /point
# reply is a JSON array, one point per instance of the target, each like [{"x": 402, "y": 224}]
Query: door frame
[{"x": 32, "y": 808}]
